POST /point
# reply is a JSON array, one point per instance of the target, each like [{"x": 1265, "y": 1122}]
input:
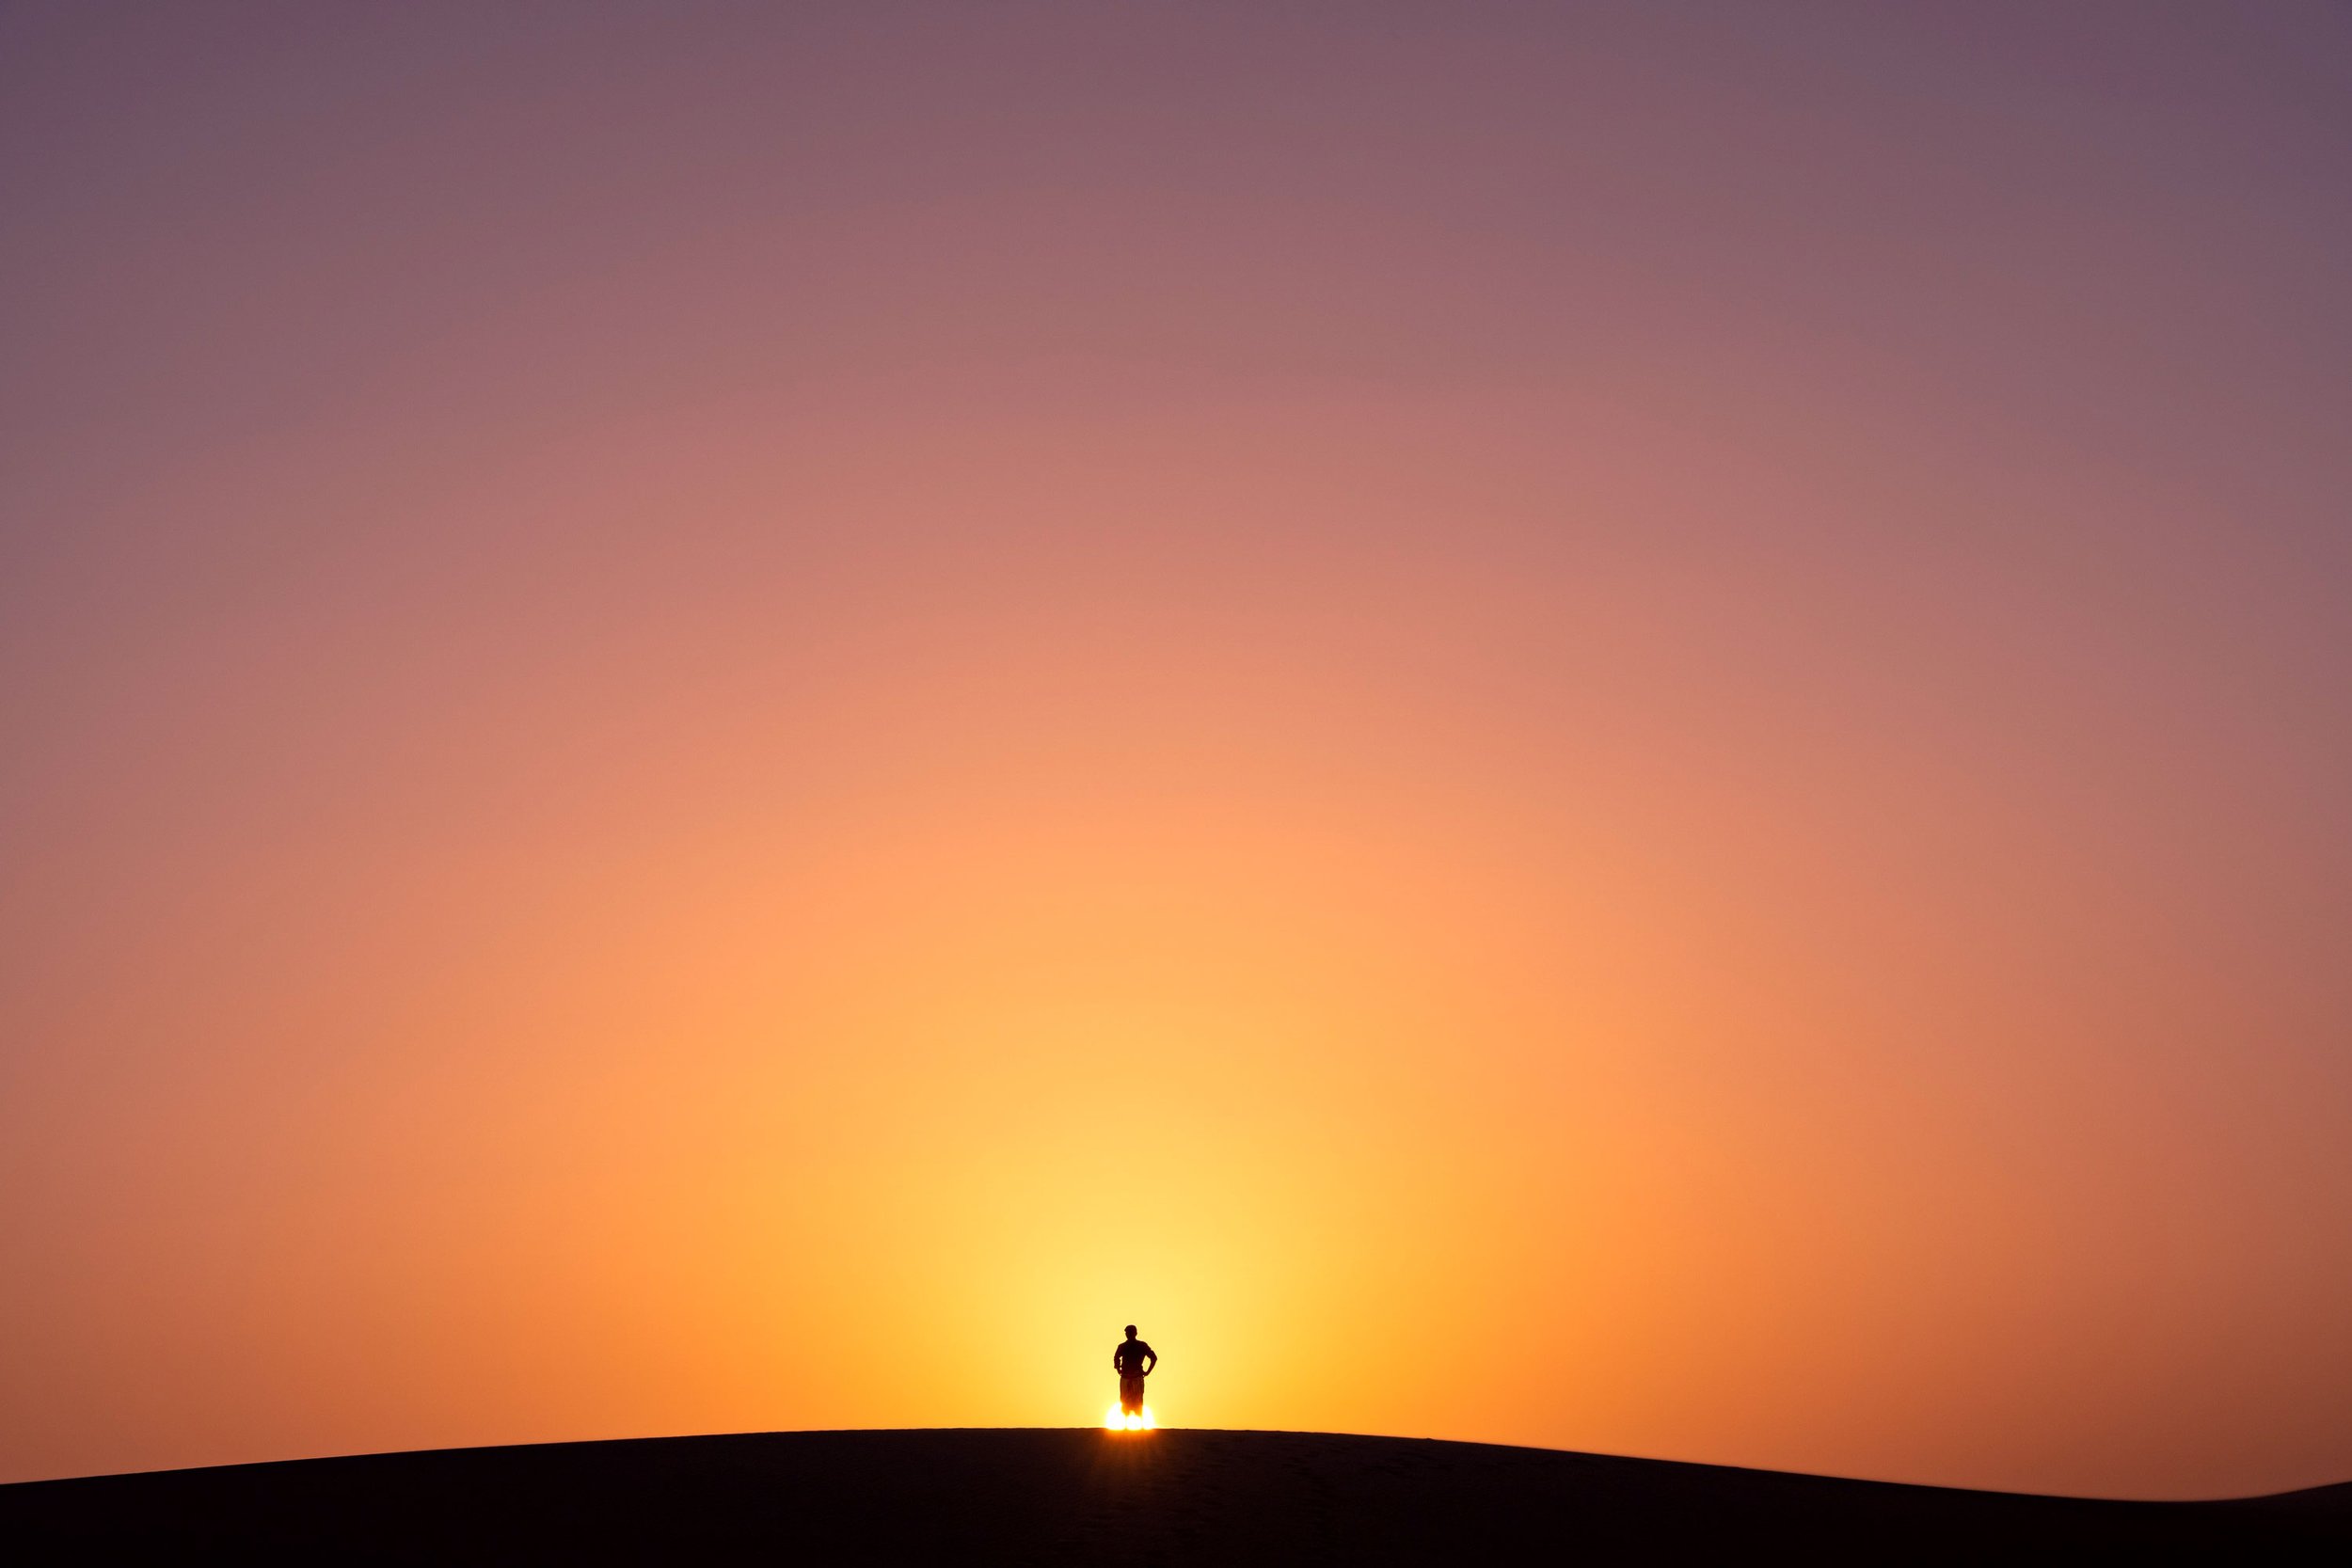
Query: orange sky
[{"x": 1625, "y": 733}]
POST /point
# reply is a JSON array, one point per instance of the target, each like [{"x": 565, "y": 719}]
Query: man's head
[{"x": 1131, "y": 1331}]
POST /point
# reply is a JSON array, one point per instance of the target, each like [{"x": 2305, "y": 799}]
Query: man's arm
[{"x": 1151, "y": 1360}]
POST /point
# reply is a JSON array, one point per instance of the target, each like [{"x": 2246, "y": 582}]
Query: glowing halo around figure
[{"x": 1118, "y": 1420}]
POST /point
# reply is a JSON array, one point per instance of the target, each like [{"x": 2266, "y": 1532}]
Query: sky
[{"x": 1622, "y": 728}]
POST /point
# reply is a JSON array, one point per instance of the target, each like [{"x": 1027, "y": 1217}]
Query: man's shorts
[{"x": 1130, "y": 1394}]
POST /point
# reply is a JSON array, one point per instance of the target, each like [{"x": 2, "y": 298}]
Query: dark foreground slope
[{"x": 1084, "y": 1497}]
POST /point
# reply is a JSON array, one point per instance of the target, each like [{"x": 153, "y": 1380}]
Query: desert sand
[{"x": 1096, "y": 1498}]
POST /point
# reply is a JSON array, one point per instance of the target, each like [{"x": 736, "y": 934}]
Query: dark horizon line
[{"x": 2289, "y": 1494}]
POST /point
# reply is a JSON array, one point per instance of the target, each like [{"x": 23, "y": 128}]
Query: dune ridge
[{"x": 1055, "y": 1496}]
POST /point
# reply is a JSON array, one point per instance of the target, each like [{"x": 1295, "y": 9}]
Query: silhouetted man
[{"x": 1133, "y": 1362}]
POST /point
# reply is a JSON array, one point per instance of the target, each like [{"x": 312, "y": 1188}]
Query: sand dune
[{"x": 1086, "y": 1497}]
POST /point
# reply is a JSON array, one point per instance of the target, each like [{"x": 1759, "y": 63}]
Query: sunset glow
[{"x": 1617, "y": 727}]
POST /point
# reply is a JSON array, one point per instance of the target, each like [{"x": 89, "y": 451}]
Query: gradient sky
[{"x": 1620, "y": 727}]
